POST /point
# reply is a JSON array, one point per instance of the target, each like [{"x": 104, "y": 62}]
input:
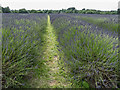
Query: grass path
[
  {"x": 52, "y": 57},
  {"x": 55, "y": 76}
]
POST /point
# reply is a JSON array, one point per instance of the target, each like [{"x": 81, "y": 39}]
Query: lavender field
[{"x": 85, "y": 50}]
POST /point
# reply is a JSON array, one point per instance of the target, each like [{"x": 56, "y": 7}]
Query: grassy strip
[
  {"x": 100, "y": 22},
  {"x": 53, "y": 75}
]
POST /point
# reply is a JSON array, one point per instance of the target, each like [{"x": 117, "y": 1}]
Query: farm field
[{"x": 60, "y": 51}]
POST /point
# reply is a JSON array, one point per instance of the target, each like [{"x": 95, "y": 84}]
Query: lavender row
[
  {"x": 21, "y": 43},
  {"x": 91, "y": 53}
]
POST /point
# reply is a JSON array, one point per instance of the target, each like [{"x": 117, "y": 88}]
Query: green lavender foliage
[
  {"x": 92, "y": 55},
  {"x": 21, "y": 40}
]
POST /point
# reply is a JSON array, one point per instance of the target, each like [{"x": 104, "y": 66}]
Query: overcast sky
[{"x": 61, "y": 4}]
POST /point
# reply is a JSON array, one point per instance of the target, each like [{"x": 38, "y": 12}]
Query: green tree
[
  {"x": 40, "y": 11},
  {"x": 49, "y": 11},
  {"x": 23, "y": 10},
  {"x": 16, "y": 11},
  {"x": 83, "y": 9},
  {"x": 71, "y": 8},
  {"x": 118, "y": 11},
  {"x": 33, "y": 11},
  {"x": 6, "y": 10}
]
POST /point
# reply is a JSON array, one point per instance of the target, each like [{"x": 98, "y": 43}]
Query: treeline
[{"x": 69, "y": 10}]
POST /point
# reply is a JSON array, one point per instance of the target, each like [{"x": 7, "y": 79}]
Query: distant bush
[{"x": 69, "y": 10}]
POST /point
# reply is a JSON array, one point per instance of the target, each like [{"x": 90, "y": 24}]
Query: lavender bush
[
  {"x": 91, "y": 53},
  {"x": 21, "y": 40}
]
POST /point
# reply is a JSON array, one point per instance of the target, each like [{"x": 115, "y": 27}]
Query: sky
[{"x": 61, "y": 4}]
